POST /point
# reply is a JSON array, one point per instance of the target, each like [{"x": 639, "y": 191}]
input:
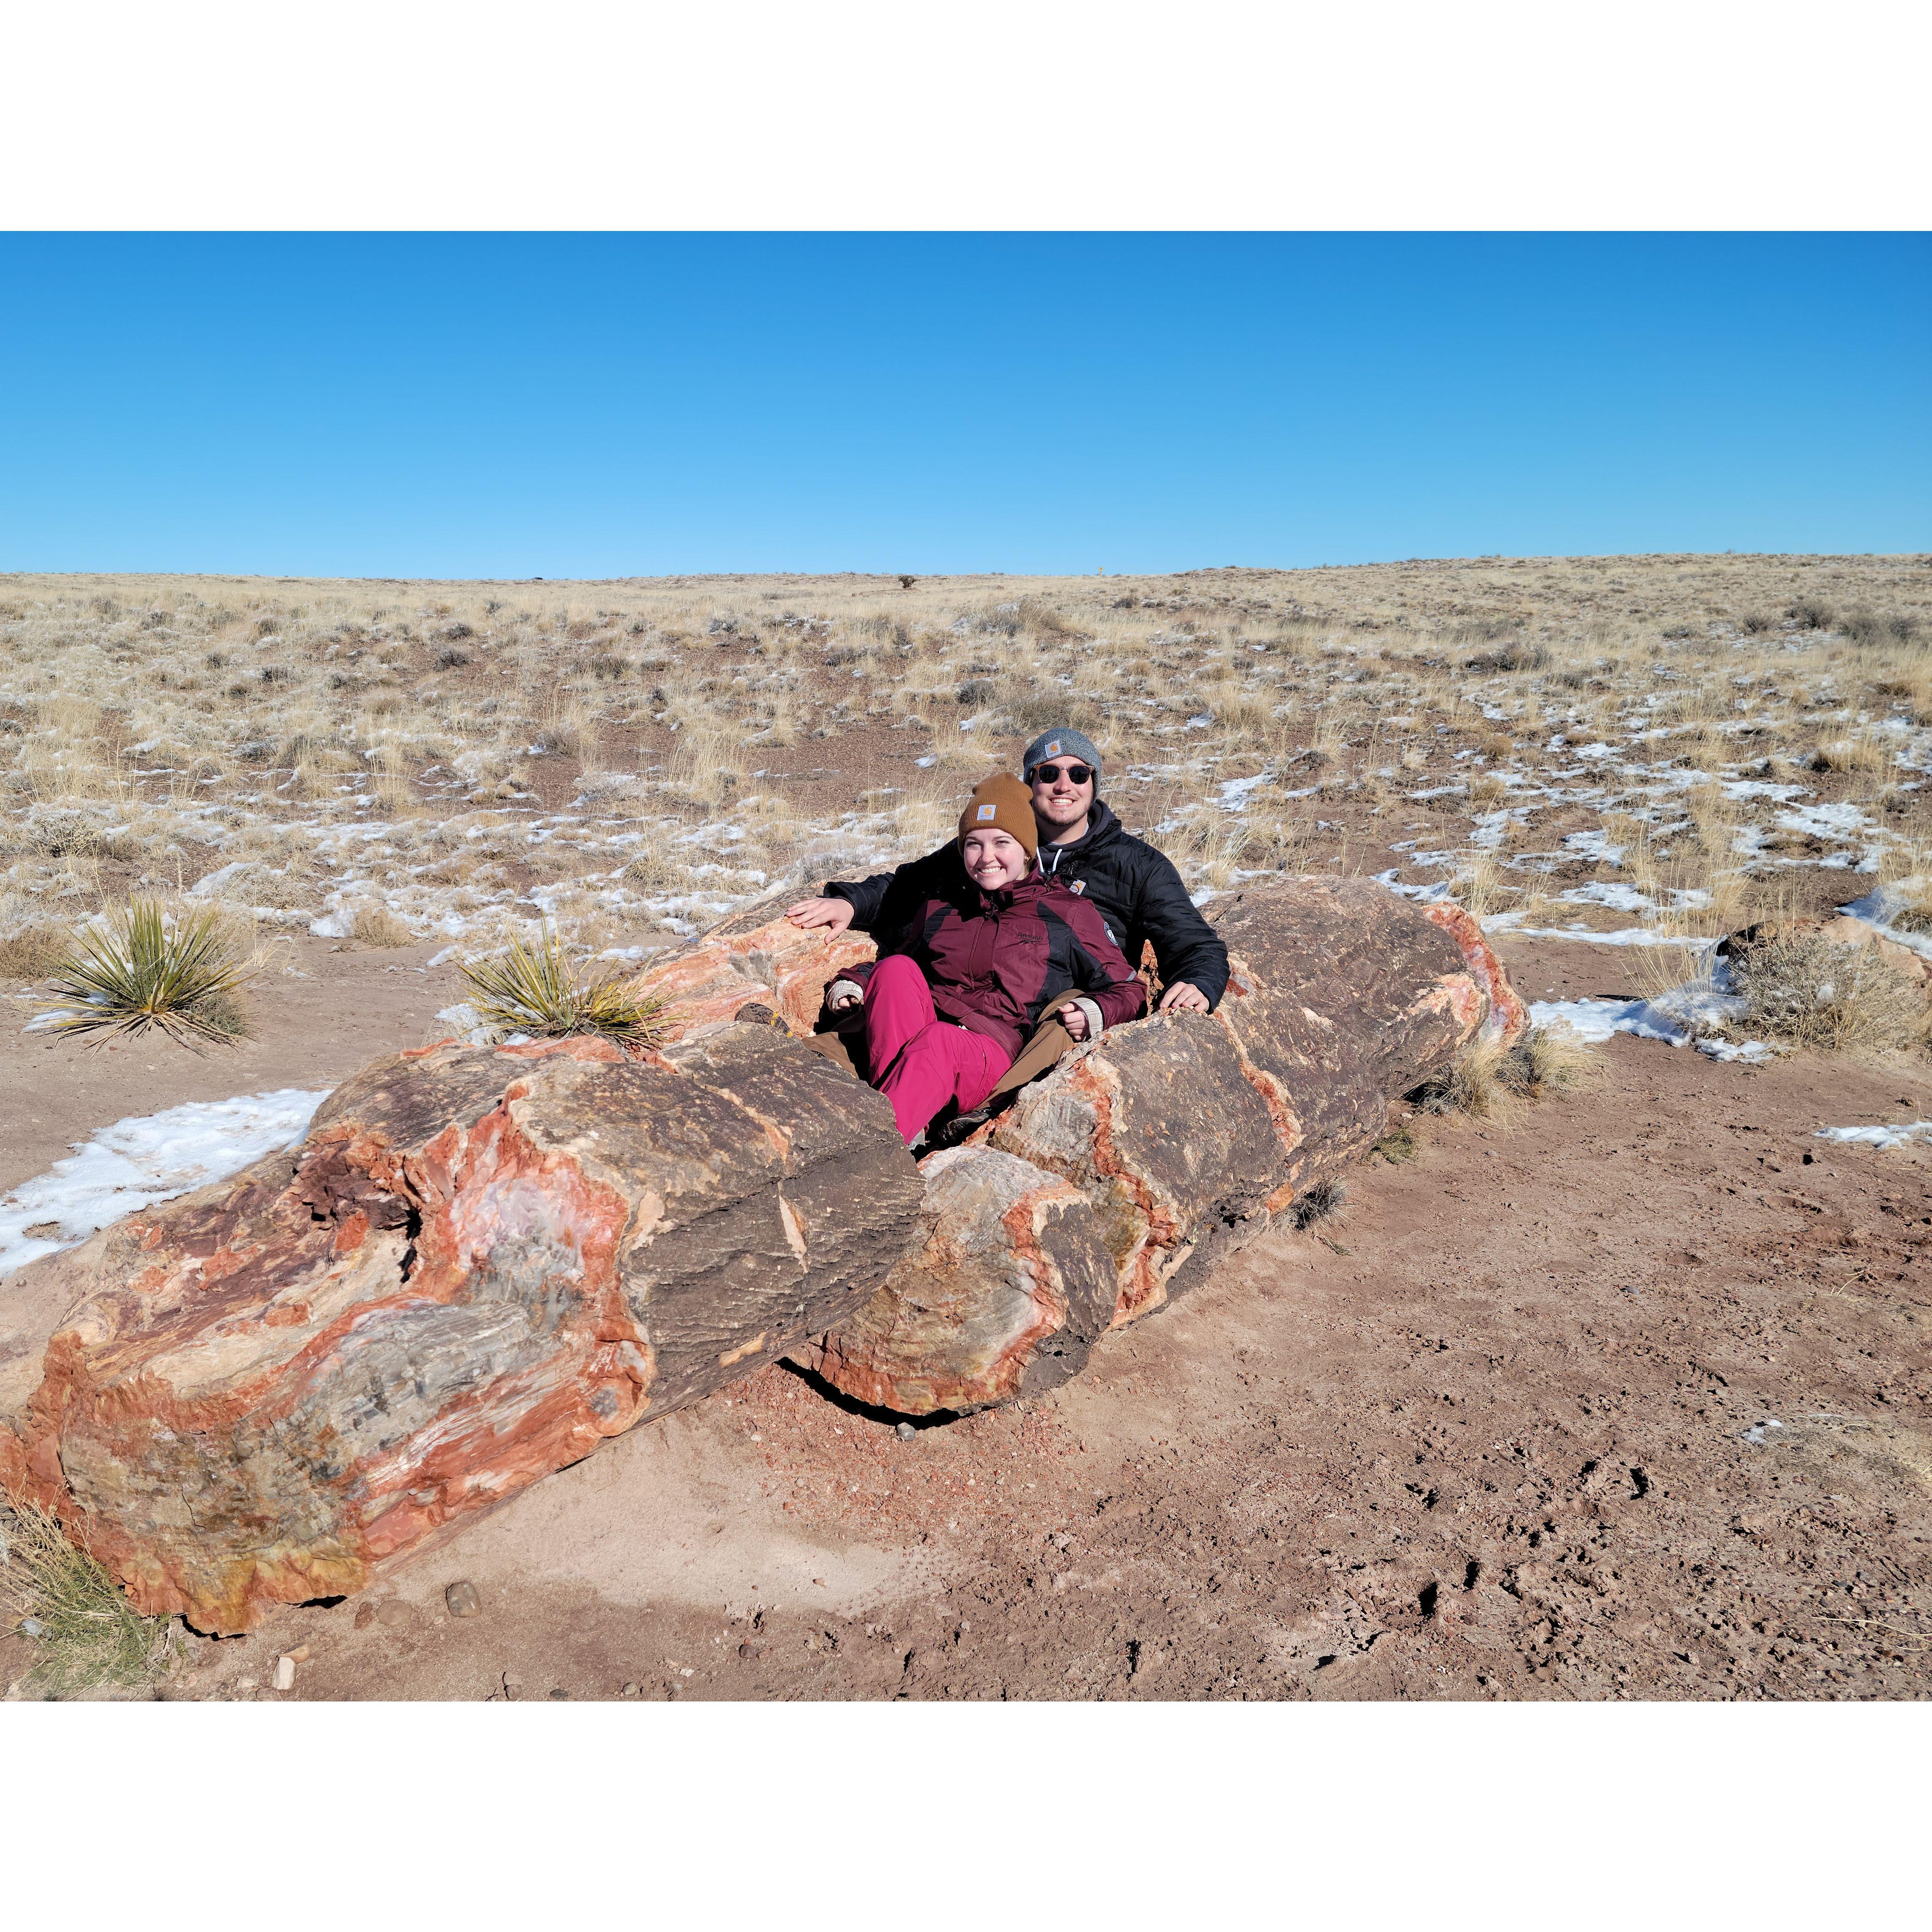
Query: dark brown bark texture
[
  {"x": 1185, "y": 1133},
  {"x": 480, "y": 1264}
]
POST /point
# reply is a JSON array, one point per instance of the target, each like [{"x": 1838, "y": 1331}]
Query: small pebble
[
  {"x": 630, "y": 1690},
  {"x": 463, "y": 1600},
  {"x": 32, "y": 1627},
  {"x": 284, "y": 1678},
  {"x": 560, "y": 1696},
  {"x": 906, "y": 1431},
  {"x": 365, "y": 1615}
]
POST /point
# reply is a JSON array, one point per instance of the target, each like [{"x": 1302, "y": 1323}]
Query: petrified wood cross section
[{"x": 480, "y": 1264}]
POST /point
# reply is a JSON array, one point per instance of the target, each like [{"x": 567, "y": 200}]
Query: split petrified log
[
  {"x": 480, "y": 1264},
  {"x": 1004, "y": 1294},
  {"x": 1186, "y": 1133},
  {"x": 756, "y": 955}
]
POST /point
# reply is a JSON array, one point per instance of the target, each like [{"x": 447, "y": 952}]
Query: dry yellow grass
[{"x": 631, "y": 759}]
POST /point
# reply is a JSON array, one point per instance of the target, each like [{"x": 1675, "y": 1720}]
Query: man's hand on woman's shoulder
[{"x": 836, "y": 913}]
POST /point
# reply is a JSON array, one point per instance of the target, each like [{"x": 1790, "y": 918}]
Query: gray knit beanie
[{"x": 1061, "y": 741}]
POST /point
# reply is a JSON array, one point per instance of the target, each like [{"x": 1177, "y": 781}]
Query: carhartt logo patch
[
  {"x": 1052, "y": 751},
  {"x": 1076, "y": 885},
  {"x": 986, "y": 812}
]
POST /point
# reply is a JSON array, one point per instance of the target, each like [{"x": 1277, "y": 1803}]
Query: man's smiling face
[{"x": 1060, "y": 803}]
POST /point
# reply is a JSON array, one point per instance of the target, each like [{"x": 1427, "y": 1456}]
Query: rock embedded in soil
[
  {"x": 1182, "y": 1134},
  {"x": 481, "y": 1263}
]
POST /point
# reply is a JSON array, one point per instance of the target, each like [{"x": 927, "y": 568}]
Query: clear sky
[{"x": 593, "y": 406}]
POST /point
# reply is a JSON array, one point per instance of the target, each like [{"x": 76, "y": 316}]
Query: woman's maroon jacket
[{"x": 996, "y": 961}]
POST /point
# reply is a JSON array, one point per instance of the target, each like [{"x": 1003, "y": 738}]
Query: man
[{"x": 1135, "y": 888}]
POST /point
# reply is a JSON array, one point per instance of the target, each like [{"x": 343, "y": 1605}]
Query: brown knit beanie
[{"x": 1001, "y": 803}]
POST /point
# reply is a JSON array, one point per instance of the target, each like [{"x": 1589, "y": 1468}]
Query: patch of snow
[
  {"x": 145, "y": 1159},
  {"x": 1594, "y": 845},
  {"x": 1881, "y": 906},
  {"x": 468, "y": 1023},
  {"x": 1686, "y": 1015},
  {"x": 1825, "y": 821},
  {"x": 1879, "y": 1137},
  {"x": 1427, "y": 895},
  {"x": 332, "y": 925},
  {"x": 1760, "y": 788},
  {"x": 1234, "y": 791},
  {"x": 1618, "y": 897}
]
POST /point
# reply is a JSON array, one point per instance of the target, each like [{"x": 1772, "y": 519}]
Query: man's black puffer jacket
[{"x": 1134, "y": 887}]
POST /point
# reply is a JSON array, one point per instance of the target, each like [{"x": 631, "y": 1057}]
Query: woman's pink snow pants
[{"x": 927, "y": 1060}]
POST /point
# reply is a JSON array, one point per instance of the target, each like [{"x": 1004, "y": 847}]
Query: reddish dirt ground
[{"x": 1501, "y": 1429}]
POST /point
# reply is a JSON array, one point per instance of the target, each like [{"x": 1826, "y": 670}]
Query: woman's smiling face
[{"x": 995, "y": 860}]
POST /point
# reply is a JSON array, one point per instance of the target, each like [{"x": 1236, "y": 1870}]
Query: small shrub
[
  {"x": 1811, "y": 613},
  {"x": 1754, "y": 623},
  {"x": 32, "y": 951},
  {"x": 1395, "y": 1147},
  {"x": 85, "y": 1633},
  {"x": 1867, "y": 627},
  {"x": 139, "y": 971},
  {"x": 533, "y": 990},
  {"x": 1049, "y": 622},
  {"x": 450, "y": 659},
  {"x": 1514, "y": 656},
  {"x": 1808, "y": 990},
  {"x": 377, "y": 925},
  {"x": 906, "y": 583}
]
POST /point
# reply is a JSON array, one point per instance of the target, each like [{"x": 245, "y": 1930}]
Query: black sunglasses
[{"x": 1076, "y": 774}]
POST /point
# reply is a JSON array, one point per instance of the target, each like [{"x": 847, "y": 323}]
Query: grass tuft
[
  {"x": 140, "y": 969},
  {"x": 1808, "y": 990},
  {"x": 1488, "y": 1081},
  {"x": 87, "y": 1635},
  {"x": 377, "y": 925},
  {"x": 1323, "y": 1200},
  {"x": 534, "y": 990}
]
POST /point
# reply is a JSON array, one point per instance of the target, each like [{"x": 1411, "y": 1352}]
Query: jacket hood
[{"x": 1103, "y": 830}]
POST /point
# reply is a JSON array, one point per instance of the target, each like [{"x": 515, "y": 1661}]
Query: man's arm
[
  {"x": 883, "y": 903},
  {"x": 1186, "y": 949}
]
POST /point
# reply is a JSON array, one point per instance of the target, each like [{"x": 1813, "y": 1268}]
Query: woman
[{"x": 955, "y": 992}]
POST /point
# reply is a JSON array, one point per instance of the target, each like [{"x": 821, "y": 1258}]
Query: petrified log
[
  {"x": 481, "y": 1263},
  {"x": 756, "y": 955},
  {"x": 1002, "y": 1295},
  {"x": 1186, "y": 1132}
]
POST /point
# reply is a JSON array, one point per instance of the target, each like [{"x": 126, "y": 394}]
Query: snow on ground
[
  {"x": 141, "y": 1160},
  {"x": 1879, "y": 1137},
  {"x": 1687, "y": 1016},
  {"x": 1881, "y": 906}
]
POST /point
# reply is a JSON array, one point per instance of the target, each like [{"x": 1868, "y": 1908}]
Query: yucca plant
[
  {"x": 140, "y": 970},
  {"x": 532, "y": 989}
]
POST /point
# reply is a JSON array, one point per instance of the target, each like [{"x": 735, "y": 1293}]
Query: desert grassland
[{"x": 1657, "y": 746}]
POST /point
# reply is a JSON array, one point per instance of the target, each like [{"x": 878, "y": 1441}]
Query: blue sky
[{"x": 591, "y": 406}]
